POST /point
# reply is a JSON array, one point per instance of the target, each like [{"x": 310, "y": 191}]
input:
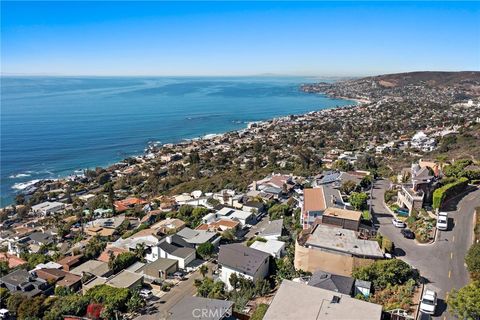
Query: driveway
[
  {"x": 440, "y": 263},
  {"x": 183, "y": 289}
]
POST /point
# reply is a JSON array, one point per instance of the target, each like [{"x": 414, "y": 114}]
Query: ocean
[{"x": 53, "y": 126}]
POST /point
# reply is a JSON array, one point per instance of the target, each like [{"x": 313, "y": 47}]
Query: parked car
[
  {"x": 407, "y": 233},
  {"x": 428, "y": 303},
  {"x": 442, "y": 222},
  {"x": 145, "y": 294},
  {"x": 398, "y": 223},
  {"x": 179, "y": 275},
  {"x": 4, "y": 313},
  {"x": 442, "y": 213}
]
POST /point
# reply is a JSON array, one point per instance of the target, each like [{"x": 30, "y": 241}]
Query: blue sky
[{"x": 238, "y": 38}]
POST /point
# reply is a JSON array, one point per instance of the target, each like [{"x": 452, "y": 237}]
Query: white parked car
[
  {"x": 442, "y": 213},
  {"x": 428, "y": 302},
  {"x": 442, "y": 222},
  {"x": 146, "y": 294},
  {"x": 398, "y": 223}
]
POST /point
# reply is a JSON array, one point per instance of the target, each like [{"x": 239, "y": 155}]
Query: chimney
[{"x": 169, "y": 239}]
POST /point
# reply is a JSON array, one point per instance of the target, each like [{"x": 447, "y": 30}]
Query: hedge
[{"x": 447, "y": 191}]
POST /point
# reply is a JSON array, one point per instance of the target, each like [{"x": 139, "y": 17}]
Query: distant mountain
[
  {"x": 435, "y": 86},
  {"x": 430, "y": 78}
]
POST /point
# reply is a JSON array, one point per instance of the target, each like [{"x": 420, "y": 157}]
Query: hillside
[{"x": 435, "y": 86}]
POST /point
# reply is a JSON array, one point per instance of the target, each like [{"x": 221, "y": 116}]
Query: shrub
[
  {"x": 386, "y": 272},
  {"x": 448, "y": 191},
  {"x": 205, "y": 250},
  {"x": 472, "y": 259},
  {"x": 259, "y": 312}
]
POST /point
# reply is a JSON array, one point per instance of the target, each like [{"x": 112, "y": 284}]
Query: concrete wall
[{"x": 314, "y": 259}]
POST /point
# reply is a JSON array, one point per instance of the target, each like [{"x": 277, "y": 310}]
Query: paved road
[
  {"x": 441, "y": 263},
  {"x": 184, "y": 288}
]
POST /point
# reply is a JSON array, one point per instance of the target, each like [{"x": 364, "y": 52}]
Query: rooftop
[
  {"x": 314, "y": 199},
  {"x": 342, "y": 240},
  {"x": 273, "y": 227},
  {"x": 95, "y": 267},
  {"x": 332, "y": 282},
  {"x": 124, "y": 279},
  {"x": 184, "y": 309},
  {"x": 343, "y": 213},
  {"x": 313, "y": 303},
  {"x": 242, "y": 258}
]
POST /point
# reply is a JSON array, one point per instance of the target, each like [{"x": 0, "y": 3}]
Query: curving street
[{"x": 440, "y": 263}]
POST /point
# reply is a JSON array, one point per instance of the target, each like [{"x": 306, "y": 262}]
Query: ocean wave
[
  {"x": 24, "y": 185},
  {"x": 20, "y": 175}
]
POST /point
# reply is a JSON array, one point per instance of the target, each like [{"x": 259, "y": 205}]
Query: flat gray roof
[
  {"x": 192, "y": 307},
  {"x": 296, "y": 300},
  {"x": 342, "y": 240}
]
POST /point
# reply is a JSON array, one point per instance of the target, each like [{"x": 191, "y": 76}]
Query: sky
[{"x": 238, "y": 38}]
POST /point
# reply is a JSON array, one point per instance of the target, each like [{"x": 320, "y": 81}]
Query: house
[
  {"x": 109, "y": 251},
  {"x": 169, "y": 225},
  {"x": 342, "y": 218},
  {"x": 193, "y": 238},
  {"x": 30, "y": 243},
  {"x": 129, "y": 203},
  {"x": 70, "y": 262},
  {"x": 220, "y": 226},
  {"x": 21, "y": 281},
  {"x": 275, "y": 184},
  {"x": 274, "y": 248},
  {"x": 12, "y": 260},
  {"x": 415, "y": 194},
  {"x": 333, "y": 249},
  {"x": 60, "y": 277},
  {"x": 244, "y": 261},
  {"x": 201, "y": 308},
  {"x": 150, "y": 241},
  {"x": 273, "y": 230},
  {"x": 125, "y": 279},
  {"x": 94, "y": 267},
  {"x": 104, "y": 227},
  {"x": 295, "y": 300},
  {"x": 313, "y": 206},
  {"x": 46, "y": 208},
  {"x": 161, "y": 268},
  {"x": 227, "y": 213},
  {"x": 184, "y": 255},
  {"x": 342, "y": 284}
]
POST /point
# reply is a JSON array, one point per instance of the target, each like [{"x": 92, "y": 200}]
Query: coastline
[{"x": 152, "y": 149}]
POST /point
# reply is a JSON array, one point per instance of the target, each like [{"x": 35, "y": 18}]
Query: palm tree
[
  {"x": 203, "y": 270},
  {"x": 140, "y": 251}
]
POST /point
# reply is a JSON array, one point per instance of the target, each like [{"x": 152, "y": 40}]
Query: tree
[
  {"x": 94, "y": 247},
  {"x": 31, "y": 308},
  {"x": 205, "y": 250},
  {"x": 228, "y": 235},
  {"x": 358, "y": 200},
  {"x": 277, "y": 211},
  {"x": 472, "y": 259},
  {"x": 140, "y": 251},
  {"x": 342, "y": 165},
  {"x": 74, "y": 305},
  {"x": 14, "y": 301},
  {"x": 203, "y": 270},
  {"x": 4, "y": 294},
  {"x": 348, "y": 187},
  {"x": 383, "y": 273},
  {"x": 4, "y": 268},
  {"x": 465, "y": 303},
  {"x": 135, "y": 302}
]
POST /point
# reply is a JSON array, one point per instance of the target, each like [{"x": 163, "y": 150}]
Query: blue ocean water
[{"x": 52, "y": 126}]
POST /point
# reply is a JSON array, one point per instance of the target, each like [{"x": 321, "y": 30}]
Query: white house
[
  {"x": 274, "y": 248},
  {"x": 184, "y": 255},
  {"x": 241, "y": 216},
  {"x": 244, "y": 261},
  {"x": 47, "y": 207}
]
